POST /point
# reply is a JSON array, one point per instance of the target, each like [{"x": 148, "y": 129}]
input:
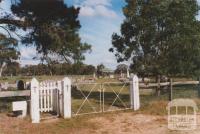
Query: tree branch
[
  {"x": 17, "y": 23},
  {"x": 6, "y": 31}
]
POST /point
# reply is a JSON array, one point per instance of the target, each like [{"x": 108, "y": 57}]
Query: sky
[{"x": 99, "y": 20}]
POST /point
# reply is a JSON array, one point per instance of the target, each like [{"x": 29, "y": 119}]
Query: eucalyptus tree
[{"x": 160, "y": 37}]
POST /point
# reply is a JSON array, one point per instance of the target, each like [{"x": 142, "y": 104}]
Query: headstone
[
  {"x": 28, "y": 85},
  {"x": 94, "y": 75},
  {"x": 5, "y": 86},
  {"x": 127, "y": 73},
  {"x": 20, "y": 85}
]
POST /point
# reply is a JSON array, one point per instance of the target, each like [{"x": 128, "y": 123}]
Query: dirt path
[{"x": 120, "y": 123}]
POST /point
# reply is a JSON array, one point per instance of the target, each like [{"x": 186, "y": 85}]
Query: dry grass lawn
[{"x": 110, "y": 123}]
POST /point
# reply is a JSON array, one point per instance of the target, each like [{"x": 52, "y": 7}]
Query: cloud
[
  {"x": 103, "y": 11},
  {"x": 28, "y": 62},
  {"x": 87, "y": 11},
  {"x": 27, "y": 54},
  {"x": 91, "y": 8},
  {"x": 97, "y": 2}
]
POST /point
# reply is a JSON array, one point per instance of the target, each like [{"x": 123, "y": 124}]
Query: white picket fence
[
  {"x": 50, "y": 96},
  {"x": 55, "y": 96}
]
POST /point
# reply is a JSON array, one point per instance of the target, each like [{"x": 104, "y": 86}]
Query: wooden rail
[
  {"x": 14, "y": 93},
  {"x": 148, "y": 85}
]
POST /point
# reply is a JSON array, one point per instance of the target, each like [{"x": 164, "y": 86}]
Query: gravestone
[
  {"x": 20, "y": 85},
  {"x": 28, "y": 85}
]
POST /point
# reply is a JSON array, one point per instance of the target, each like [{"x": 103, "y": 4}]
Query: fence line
[
  {"x": 14, "y": 93},
  {"x": 49, "y": 96},
  {"x": 141, "y": 85},
  {"x": 148, "y": 85}
]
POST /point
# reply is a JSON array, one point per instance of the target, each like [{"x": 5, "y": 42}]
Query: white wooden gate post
[
  {"x": 67, "y": 97},
  {"x": 35, "y": 113},
  {"x": 134, "y": 93}
]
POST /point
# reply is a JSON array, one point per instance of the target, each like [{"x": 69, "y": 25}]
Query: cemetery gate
[{"x": 68, "y": 100}]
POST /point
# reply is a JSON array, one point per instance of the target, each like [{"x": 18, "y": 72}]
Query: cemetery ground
[{"x": 150, "y": 119}]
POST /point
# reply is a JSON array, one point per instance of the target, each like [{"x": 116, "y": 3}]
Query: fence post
[
  {"x": 170, "y": 90},
  {"x": 199, "y": 88},
  {"x": 67, "y": 97},
  {"x": 134, "y": 93},
  {"x": 35, "y": 112},
  {"x": 158, "y": 87}
]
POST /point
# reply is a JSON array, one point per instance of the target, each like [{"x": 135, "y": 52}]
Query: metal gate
[
  {"x": 90, "y": 98},
  {"x": 116, "y": 96}
]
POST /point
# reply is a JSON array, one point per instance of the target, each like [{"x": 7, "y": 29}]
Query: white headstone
[{"x": 127, "y": 75}]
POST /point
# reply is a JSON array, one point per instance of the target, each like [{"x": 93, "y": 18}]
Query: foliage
[
  {"x": 57, "y": 69},
  {"x": 121, "y": 68},
  {"x": 160, "y": 37},
  {"x": 8, "y": 52},
  {"x": 100, "y": 68}
]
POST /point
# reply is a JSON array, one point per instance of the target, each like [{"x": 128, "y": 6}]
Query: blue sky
[{"x": 99, "y": 20}]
